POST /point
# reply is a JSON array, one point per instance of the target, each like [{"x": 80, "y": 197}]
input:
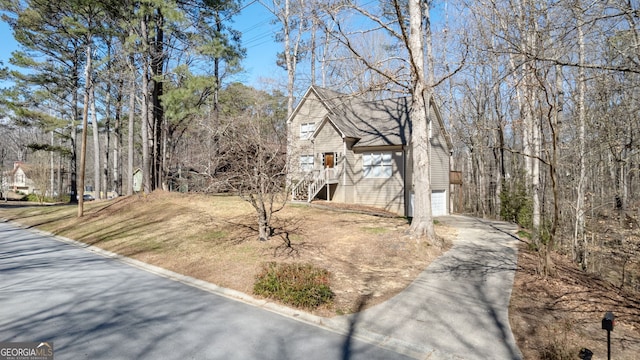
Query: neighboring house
[
  {"x": 18, "y": 179},
  {"x": 354, "y": 151},
  {"x": 137, "y": 180}
]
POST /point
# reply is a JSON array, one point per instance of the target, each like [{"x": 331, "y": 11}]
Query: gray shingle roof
[{"x": 374, "y": 123}]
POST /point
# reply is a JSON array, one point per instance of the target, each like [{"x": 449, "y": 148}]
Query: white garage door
[{"x": 438, "y": 203}]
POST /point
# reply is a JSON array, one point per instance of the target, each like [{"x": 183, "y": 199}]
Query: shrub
[
  {"x": 32, "y": 197},
  {"x": 300, "y": 285},
  {"x": 35, "y": 198},
  {"x": 558, "y": 351},
  {"x": 516, "y": 205},
  {"x": 557, "y": 346}
]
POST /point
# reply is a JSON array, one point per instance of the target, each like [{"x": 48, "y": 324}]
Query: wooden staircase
[{"x": 312, "y": 182}]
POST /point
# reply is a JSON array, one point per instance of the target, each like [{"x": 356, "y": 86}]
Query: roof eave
[
  {"x": 322, "y": 124},
  {"x": 443, "y": 129}
]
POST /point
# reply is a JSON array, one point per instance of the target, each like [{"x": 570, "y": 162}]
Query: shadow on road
[{"x": 99, "y": 308}]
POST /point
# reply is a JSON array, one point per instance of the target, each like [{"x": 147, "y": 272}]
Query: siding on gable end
[
  {"x": 385, "y": 193},
  {"x": 310, "y": 111},
  {"x": 439, "y": 168},
  {"x": 439, "y": 156},
  {"x": 328, "y": 140},
  {"x": 21, "y": 178}
]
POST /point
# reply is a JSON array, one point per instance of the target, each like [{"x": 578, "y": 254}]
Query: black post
[
  {"x": 607, "y": 324},
  {"x": 608, "y": 345}
]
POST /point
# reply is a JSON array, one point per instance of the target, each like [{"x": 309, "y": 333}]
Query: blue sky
[
  {"x": 7, "y": 44},
  {"x": 254, "y": 23}
]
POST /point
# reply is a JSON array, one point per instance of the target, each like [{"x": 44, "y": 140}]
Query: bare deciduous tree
[
  {"x": 253, "y": 150},
  {"x": 409, "y": 70}
]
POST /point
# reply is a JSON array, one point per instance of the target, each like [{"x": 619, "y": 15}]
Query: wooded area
[{"x": 541, "y": 99}]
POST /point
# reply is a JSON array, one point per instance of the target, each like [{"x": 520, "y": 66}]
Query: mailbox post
[{"x": 607, "y": 324}]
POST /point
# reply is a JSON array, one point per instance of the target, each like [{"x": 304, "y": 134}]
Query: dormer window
[{"x": 306, "y": 129}]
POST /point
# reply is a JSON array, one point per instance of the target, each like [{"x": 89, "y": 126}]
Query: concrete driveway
[
  {"x": 93, "y": 307},
  {"x": 458, "y": 307}
]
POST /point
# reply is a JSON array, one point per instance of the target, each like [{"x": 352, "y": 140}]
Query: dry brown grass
[
  {"x": 563, "y": 313},
  {"x": 214, "y": 238}
]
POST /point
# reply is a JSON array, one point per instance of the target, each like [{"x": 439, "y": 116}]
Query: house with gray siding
[{"x": 345, "y": 149}]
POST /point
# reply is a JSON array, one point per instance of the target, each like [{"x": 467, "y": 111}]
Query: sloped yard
[
  {"x": 214, "y": 238},
  {"x": 556, "y": 317}
]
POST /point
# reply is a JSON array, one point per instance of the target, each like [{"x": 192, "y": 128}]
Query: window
[
  {"x": 306, "y": 130},
  {"x": 377, "y": 165},
  {"x": 306, "y": 163}
]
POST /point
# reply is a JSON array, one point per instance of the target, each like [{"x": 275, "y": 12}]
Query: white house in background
[
  {"x": 349, "y": 150},
  {"x": 18, "y": 179},
  {"x": 137, "y": 180}
]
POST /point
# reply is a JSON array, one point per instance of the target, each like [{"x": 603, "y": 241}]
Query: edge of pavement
[{"x": 343, "y": 325}]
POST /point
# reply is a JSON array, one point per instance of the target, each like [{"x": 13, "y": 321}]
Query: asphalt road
[{"x": 94, "y": 307}]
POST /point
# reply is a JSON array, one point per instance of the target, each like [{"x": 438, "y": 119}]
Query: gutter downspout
[
  {"x": 407, "y": 195},
  {"x": 344, "y": 164}
]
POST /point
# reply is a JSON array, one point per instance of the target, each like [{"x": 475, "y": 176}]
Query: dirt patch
[
  {"x": 214, "y": 238},
  {"x": 556, "y": 317}
]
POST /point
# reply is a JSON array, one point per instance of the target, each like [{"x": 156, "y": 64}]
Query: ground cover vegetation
[
  {"x": 541, "y": 99},
  {"x": 363, "y": 260},
  {"x": 299, "y": 285}
]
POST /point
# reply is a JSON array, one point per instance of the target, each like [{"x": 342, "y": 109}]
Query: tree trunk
[
  {"x": 422, "y": 223},
  {"x": 96, "y": 146},
  {"x": 578, "y": 233},
  {"x": 60, "y": 189},
  {"x": 83, "y": 151},
  {"x": 106, "y": 165},
  {"x": 132, "y": 117},
  {"x": 314, "y": 27},
  {"x": 73, "y": 159},
  {"x": 145, "y": 113},
  {"x": 117, "y": 142},
  {"x": 481, "y": 191},
  {"x": 106, "y": 181},
  {"x": 52, "y": 174},
  {"x": 264, "y": 228},
  {"x": 535, "y": 176},
  {"x": 213, "y": 141},
  {"x": 157, "y": 68}
]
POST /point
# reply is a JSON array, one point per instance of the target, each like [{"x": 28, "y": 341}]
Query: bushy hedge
[
  {"x": 300, "y": 285},
  {"x": 516, "y": 205},
  {"x": 35, "y": 198},
  {"x": 31, "y": 197}
]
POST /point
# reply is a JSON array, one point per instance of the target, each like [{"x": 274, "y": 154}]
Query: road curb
[{"x": 343, "y": 325}]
